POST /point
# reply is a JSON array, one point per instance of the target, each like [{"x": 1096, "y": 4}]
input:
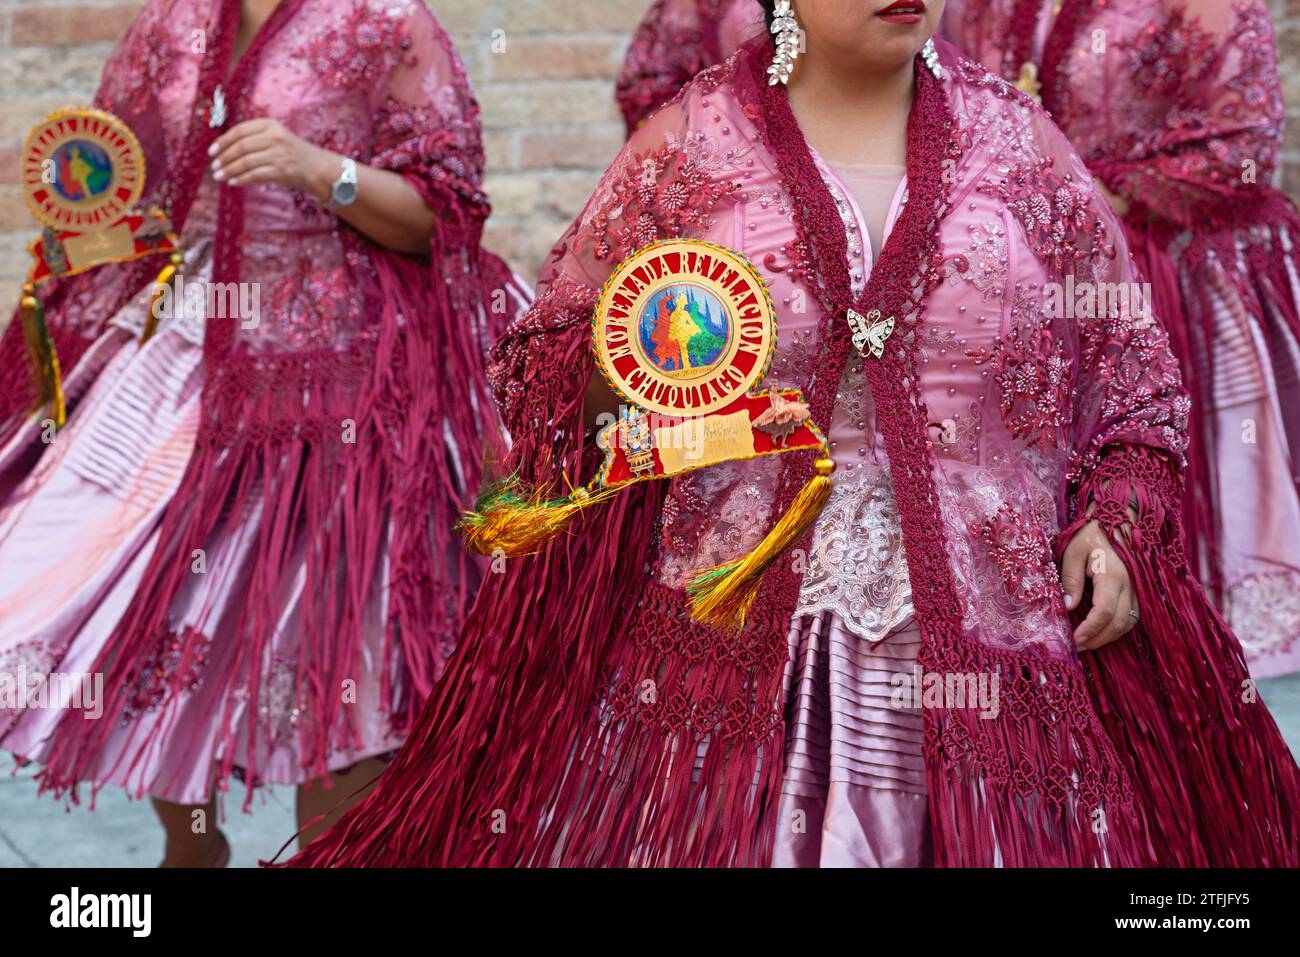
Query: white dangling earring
[
  {"x": 930, "y": 54},
  {"x": 788, "y": 39}
]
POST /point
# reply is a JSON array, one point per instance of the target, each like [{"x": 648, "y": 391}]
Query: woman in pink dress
[
  {"x": 1176, "y": 107},
  {"x": 674, "y": 41},
  {"x": 917, "y": 683},
  {"x": 245, "y": 527}
]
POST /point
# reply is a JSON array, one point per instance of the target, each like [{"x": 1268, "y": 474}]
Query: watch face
[{"x": 344, "y": 193}]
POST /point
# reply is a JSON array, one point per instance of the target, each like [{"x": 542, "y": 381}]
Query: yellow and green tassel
[
  {"x": 510, "y": 520},
  {"x": 164, "y": 280},
  {"x": 44, "y": 358},
  {"x": 722, "y": 596}
]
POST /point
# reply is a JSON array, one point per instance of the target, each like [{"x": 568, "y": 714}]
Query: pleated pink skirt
[
  {"x": 77, "y": 531},
  {"x": 853, "y": 791}
]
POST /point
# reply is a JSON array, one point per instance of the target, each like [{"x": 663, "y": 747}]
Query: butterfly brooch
[
  {"x": 217, "y": 115},
  {"x": 870, "y": 333}
]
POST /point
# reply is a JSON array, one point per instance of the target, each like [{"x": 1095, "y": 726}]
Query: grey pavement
[{"x": 41, "y": 832}]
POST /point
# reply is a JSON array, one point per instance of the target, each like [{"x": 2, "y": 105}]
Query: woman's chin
[
  {"x": 892, "y": 36},
  {"x": 894, "y": 54}
]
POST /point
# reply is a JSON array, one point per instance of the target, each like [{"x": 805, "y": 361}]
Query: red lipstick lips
[{"x": 904, "y": 12}]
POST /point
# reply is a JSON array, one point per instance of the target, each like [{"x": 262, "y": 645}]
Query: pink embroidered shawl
[
  {"x": 676, "y": 40},
  {"x": 356, "y": 408},
  {"x": 1177, "y": 106},
  {"x": 586, "y": 713}
]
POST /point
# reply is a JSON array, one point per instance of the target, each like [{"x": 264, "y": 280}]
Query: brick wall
[
  {"x": 1286, "y": 14},
  {"x": 550, "y": 121}
]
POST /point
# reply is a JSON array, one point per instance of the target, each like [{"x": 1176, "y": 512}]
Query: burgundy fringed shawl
[
  {"x": 585, "y": 721},
  {"x": 355, "y": 412},
  {"x": 1176, "y": 105}
]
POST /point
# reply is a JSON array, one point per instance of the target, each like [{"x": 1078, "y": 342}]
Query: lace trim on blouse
[{"x": 857, "y": 569}]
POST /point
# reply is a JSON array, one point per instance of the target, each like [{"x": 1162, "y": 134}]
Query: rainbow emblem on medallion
[
  {"x": 82, "y": 172},
  {"x": 684, "y": 332}
]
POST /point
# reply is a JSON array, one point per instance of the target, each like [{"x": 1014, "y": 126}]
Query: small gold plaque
[
  {"x": 88, "y": 249},
  {"x": 706, "y": 441}
]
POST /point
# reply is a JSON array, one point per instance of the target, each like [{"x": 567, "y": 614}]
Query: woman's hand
[
  {"x": 263, "y": 151},
  {"x": 387, "y": 207},
  {"x": 1090, "y": 555}
]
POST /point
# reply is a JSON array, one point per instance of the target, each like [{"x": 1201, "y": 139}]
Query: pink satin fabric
[{"x": 853, "y": 791}]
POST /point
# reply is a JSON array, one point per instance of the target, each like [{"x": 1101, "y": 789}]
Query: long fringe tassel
[
  {"x": 44, "y": 358},
  {"x": 557, "y": 736},
  {"x": 465, "y": 767},
  {"x": 1034, "y": 785},
  {"x": 1217, "y": 781},
  {"x": 266, "y": 494},
  {"x": 294, "y": 488},
  {"x": 722, "y": 596},
  {"x": 512, "y": 521},
  {"x": 438, "y": 427},
  {"x": 1149, "y": 245}
]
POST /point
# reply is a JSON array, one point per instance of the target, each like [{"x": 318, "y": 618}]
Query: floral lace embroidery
[
  {"x": 1174, "y": 53},
  {"x": 1135, "y": 386},
  {"x": 712, "y": 516},
  {"x": 1002, "y": 124},
  {"x": 1197, "y": 102},
  {"x": 396, "y": 120},
  {"x": 309, "y": 306},
  {"x": 445, "y": 137},
  {"x": 854, "y": 400},
  {"x": 795, "y": 357},
  {"x": 977, "y": 75},
  {"x": 994, "y": 604},
  {"x": 20, "y": 665},
  {"x": 176, "y": 667},
  {"x": 985, "y": 264},
  {"x": 665, "y": 53},
  {"x": 1033, "y": 371},
  {"x": 1057, "y": 215},
  {"x": 798, "y": 262},
  {"x": 656, "y": 195},
  {"x": 1256, "y": 80},
  {"x": 150, "y": 69},
  {"x": 1264, "y": 610},
  {"x": 959, "y": 437},
  {"x": 857, "y": 568},
  {"x": 706, "y": 152},
  {"x": 359, "y": 50},
  {"x": 1170, "y": 52},
  {"x": 1023, "y": 556}
]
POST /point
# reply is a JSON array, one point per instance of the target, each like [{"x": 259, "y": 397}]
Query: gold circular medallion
[
  {"x": 685, "y": 328},
  {"x": 82, "y": 170}
]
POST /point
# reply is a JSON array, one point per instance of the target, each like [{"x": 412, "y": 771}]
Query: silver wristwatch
[{"x": 344, "y": 190}]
